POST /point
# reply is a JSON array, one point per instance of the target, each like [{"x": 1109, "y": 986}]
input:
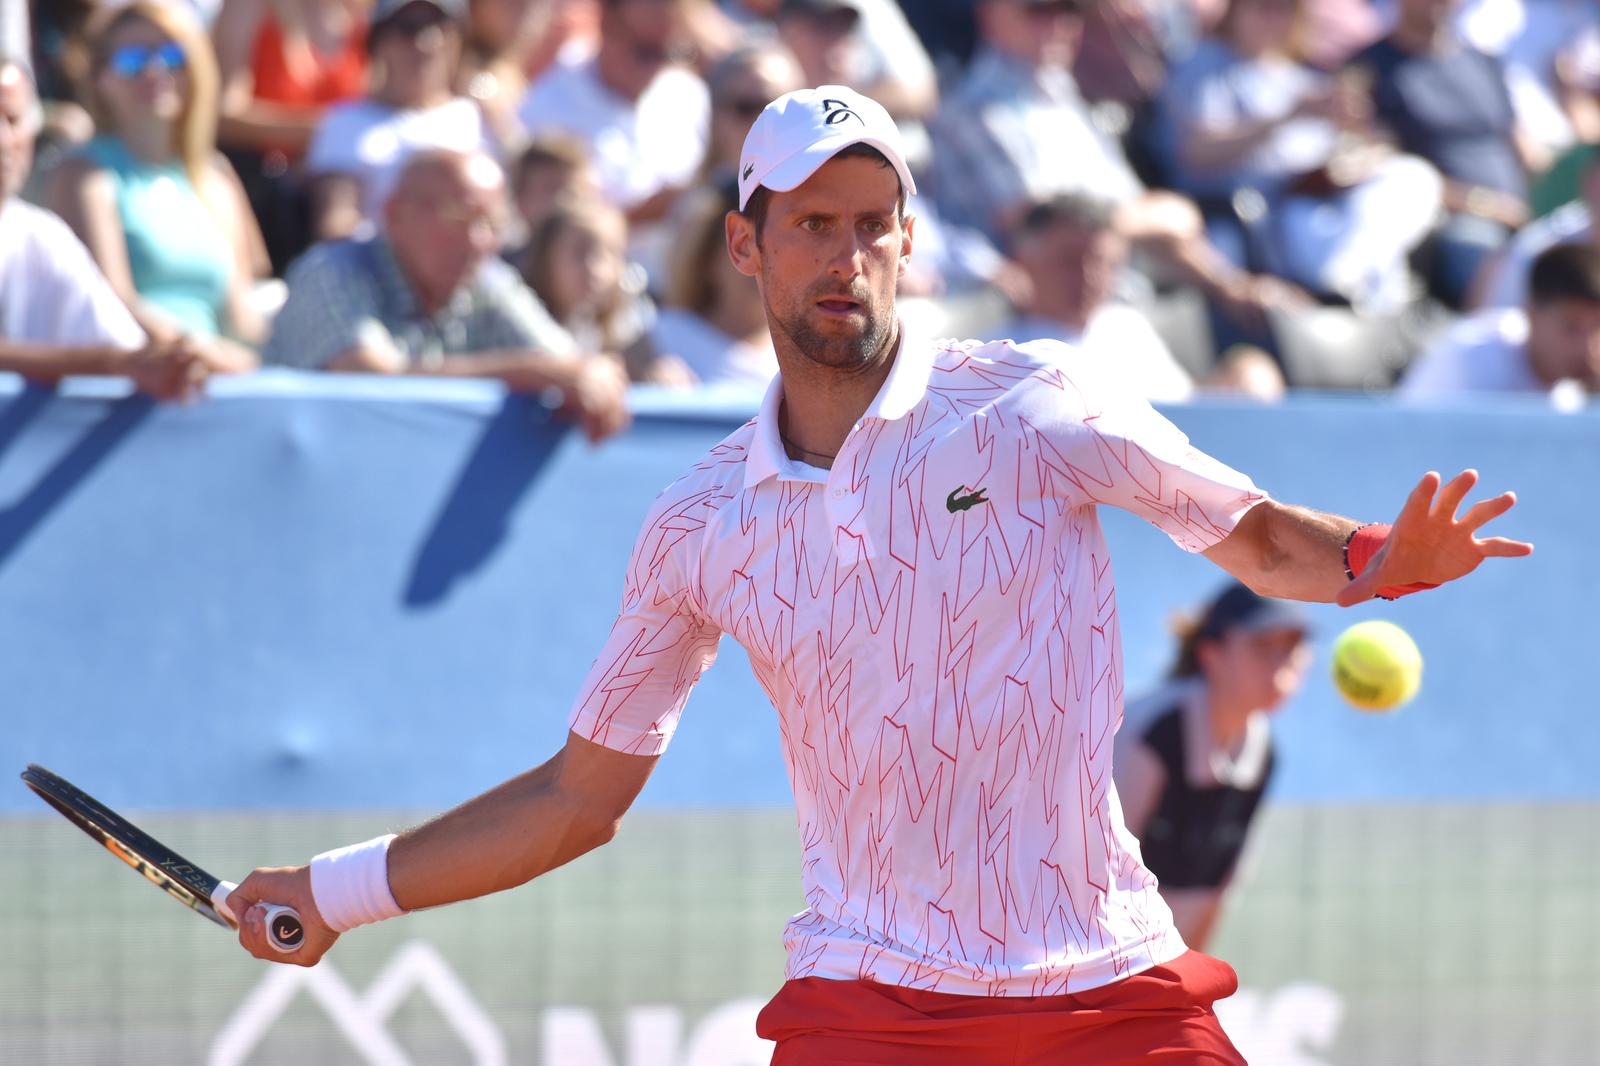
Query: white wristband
[{"x": 351, "y": 885}]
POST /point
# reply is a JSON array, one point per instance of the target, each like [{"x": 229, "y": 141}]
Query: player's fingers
[
  {"x": 242, "y": 898},
  {"x": 1421, "y": 499},
  {"x": 1502, "y": 548},
  {"x": 253, "y": 932},
  {"x": 1485, "y": 511},
  {"x": 1454, "y": 491}
]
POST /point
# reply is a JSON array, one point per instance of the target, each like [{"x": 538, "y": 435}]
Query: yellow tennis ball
[{"x": 1376, "y": 666}]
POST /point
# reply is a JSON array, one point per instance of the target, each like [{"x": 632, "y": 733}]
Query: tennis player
[{"x": 904, "y": 539}]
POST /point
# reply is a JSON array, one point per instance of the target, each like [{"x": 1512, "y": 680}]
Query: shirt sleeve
[
  {"x": 1111, "y": 447},
  {"x": 331, "y": 308},
  {"x": 660, "y": 644}
]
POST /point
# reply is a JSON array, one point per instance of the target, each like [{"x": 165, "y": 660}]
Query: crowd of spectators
[{"x": 534, "y": 190}]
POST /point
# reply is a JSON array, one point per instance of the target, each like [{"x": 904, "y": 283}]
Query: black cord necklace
[{"x": 807, "y": 451}]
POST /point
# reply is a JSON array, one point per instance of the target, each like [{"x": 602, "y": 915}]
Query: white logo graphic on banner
[{"x": 363, "y": 1018}]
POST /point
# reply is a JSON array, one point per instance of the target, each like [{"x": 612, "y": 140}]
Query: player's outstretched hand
[
  {"x": 287, "y": 886},
  {"x": 1430, "y": 543}
]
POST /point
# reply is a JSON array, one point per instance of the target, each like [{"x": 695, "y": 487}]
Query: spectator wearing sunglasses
[
  {"x": 742, "y": 83},
  {"x": 160, "y": 209},
  {"x": 57, "y": 314},
  {"x": 414, "y": 47}
]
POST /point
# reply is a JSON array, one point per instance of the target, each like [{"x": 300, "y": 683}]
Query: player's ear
[
  {"x": 908, "y": 226},
  {"x": 743, "y": 248}
]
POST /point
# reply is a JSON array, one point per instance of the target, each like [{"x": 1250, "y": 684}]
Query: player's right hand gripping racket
[{"x": 165, "y": 868}]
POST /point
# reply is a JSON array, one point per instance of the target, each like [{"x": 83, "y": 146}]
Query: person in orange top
[{"x": 282, "y": 63}]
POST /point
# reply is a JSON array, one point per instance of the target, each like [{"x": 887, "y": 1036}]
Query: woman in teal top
[
  {"x": 158, "y": 207},
  {"x": 178, "y": 256}
]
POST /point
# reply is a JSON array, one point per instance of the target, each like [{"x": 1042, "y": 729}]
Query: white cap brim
[{"x": 798, "y": 168}]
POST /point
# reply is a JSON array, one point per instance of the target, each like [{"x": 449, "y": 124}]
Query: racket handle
[{"x": 285, "y": 931}]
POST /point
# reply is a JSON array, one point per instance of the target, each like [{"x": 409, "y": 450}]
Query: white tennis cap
[{"x": 800, "y": 131}]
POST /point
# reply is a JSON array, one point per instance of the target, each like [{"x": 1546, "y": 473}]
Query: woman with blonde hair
[{"x": 159, "y": 208}]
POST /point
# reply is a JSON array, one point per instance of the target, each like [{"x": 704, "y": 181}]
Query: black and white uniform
[{"x": 1197, "y": 831}]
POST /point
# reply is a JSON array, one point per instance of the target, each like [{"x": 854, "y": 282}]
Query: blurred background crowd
[{"x": 1241, "y": 196}]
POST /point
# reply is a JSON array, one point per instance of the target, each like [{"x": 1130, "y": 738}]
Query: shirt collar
[{"x": 902, "y": 390}]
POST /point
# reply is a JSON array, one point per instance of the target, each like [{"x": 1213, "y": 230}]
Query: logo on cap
[
  {"x": 749, "y": 169},
  {"x": 838, "y": 111}
]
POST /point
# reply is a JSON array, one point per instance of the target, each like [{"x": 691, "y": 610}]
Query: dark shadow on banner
[
  {"x": 472, "y": 524},
  {"x": 23, "y": 409},
  {"x": 20, "y": 519}
]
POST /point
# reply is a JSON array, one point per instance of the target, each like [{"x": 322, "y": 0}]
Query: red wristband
[{"x": 1359, "y": 548}]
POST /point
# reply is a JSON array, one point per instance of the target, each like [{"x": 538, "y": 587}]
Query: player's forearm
[
  {"x": 499, "y": 840},
  {"x": 1290, "y": 552},
  {"x": 511, "y": 834}
]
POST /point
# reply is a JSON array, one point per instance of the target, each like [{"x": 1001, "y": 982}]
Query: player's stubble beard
[{"x": 846, "y": 352}]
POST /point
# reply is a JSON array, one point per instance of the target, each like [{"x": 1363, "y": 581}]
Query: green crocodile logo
[{"x": 957, "y": 502}]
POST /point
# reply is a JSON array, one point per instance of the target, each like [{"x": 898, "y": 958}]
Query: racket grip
[{"x": 285, "y": 931}]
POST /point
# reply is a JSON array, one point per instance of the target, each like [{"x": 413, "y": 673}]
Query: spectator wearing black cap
[
  {"x": 1553, "y": 340},
  {"x": 1194, "y": 757},
  {"x": 359, "y": 149},
  {"x": 742, "y": 83}
]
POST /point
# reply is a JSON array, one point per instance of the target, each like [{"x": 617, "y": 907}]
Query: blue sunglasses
[{"x": 132, "y": 60}]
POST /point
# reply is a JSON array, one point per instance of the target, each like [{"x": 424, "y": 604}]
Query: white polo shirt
[
  {"x": 934, "y": 621},
  {"x": 51, "y": 291}
]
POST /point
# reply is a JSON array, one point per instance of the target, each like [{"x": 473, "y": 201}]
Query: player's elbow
[
  {"x": 591, "y": 830},
  {"x": 1258, "y": 553}
]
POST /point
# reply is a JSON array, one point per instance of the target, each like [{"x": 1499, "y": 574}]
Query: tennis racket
[{"x": 163, "y": 867}]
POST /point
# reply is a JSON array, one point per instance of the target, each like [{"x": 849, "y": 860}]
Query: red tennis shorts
[{"x": 1162, "y": 1015}]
